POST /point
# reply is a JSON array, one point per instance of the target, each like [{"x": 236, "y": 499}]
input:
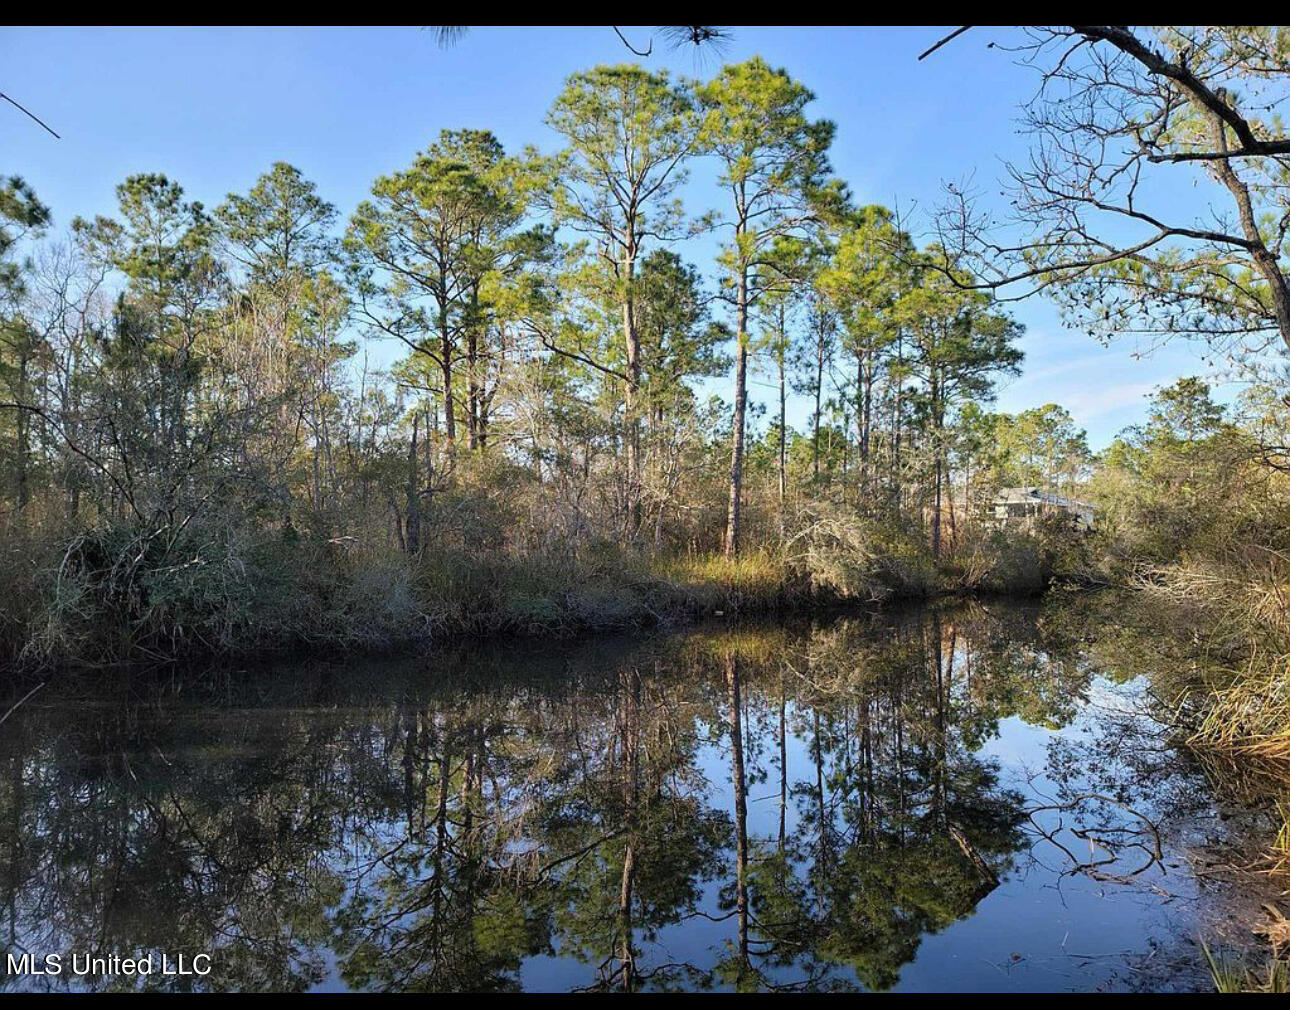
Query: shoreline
[{"x": 660, "y": 605}]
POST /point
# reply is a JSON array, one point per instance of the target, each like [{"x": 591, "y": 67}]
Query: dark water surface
[{"x": 968, "y": 797}]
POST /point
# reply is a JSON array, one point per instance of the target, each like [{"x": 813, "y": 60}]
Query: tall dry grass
[{"x": 1243, "y": 609}]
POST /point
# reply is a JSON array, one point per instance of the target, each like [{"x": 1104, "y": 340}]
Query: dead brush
[
  {"x": 1251, "y": 715},
  {"x": 1281, "y": 853}
]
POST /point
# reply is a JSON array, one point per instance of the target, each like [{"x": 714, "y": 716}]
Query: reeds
[
  {"x": 1231, "y": 976},
  {"x": 1281, "y": 853},
  {"x": 1251, "y": 715},
  {"x": 1236, "y": 610}
]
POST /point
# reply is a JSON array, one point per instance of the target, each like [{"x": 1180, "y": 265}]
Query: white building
[{"x": 1022, "y": 505}]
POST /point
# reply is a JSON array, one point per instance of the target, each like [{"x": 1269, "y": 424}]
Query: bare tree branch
[{"x": 31, "y": 115}]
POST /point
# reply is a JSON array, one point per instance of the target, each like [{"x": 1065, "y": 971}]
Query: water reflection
[{"x": 792, "y": 807}]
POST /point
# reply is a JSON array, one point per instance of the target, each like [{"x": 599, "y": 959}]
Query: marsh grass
[
  {"x": 759, "y": 580},
  {"x": 1251, "y": 715},
  {"x": 1282, "y": 844},
  {"x": 1241, "y": 705},
  {"x": 225, "y": 592},
  {"x": 1233, "y": 976},
  {"x": 114, "y": 595},
  {"x": 599, "y": 589}
]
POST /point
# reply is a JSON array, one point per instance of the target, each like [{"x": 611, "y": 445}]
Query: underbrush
[
  {"x": 1250, "y": 715},
  {"x": 110, "y": 595},
  {"x": 1238, "y": 616},
  {"x": 124, "y": 592},
  {"x": 854, "y": 558}
]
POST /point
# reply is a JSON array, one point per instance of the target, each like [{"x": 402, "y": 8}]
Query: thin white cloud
[
  {"x": 1087, "y": 404},
  {"x": 1101, "y": 362}
]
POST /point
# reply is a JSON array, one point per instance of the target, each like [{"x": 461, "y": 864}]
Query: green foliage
[
  {"x": 857, "y": 559},
  {"x": 679, "y": 340},
  {"x": 1188, "y": 484},
  {"x": 1041, "y": 447},
  {"x": 234, "y": 591},
  {"x": 222, "y": 466},
  {"x": 279, "y": 227},
  {"x": 20, "y": 213},
  {"x": 629, "y": 132}
]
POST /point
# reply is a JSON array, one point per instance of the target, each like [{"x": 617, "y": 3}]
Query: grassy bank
[
  {"x": 111, "y": 596},
  {"x": 1235, "y": 695},
  {"x": 1227, "y": 674}
]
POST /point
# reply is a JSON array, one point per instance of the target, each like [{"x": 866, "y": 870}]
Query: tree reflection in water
[{"x": 791, "y": 807}]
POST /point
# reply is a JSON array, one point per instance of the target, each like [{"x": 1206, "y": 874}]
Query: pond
[{"x": 975, "y": 796}]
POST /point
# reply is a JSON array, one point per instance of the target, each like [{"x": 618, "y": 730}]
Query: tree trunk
[
  {"x": 783, "y": 432},
  {"x": 631, "y": 339},
  {"x": 937, "y": 469},
  {"x": 738, "y": 784},
  {"x": 741, "y": 407},
  {"x": 472, "y": 390},
  {"x": 897, "y": 422},
  {"x": 22, "y": 421},
  {"x": 1265, "y": 259},
  {"x": 445, "y": 367},
  {"x": 868, "y": 418},
  {"x": 815, "y": 417},
  {"x": 412, "y": 512},
  {"x": 474, "y": 348}
]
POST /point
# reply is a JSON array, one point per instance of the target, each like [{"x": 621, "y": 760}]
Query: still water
[{"x": 967, "y": 797}]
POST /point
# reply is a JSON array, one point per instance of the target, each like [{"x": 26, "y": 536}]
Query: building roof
[{"x": 1038, "y": 496}]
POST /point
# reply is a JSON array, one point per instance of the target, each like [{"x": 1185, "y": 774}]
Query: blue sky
[{"x": 212, "y": 108}]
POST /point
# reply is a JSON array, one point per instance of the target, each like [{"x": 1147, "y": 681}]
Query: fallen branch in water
[
  {"x": 14, "y": 707},
  {"x": 1112, "y": 839}
]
